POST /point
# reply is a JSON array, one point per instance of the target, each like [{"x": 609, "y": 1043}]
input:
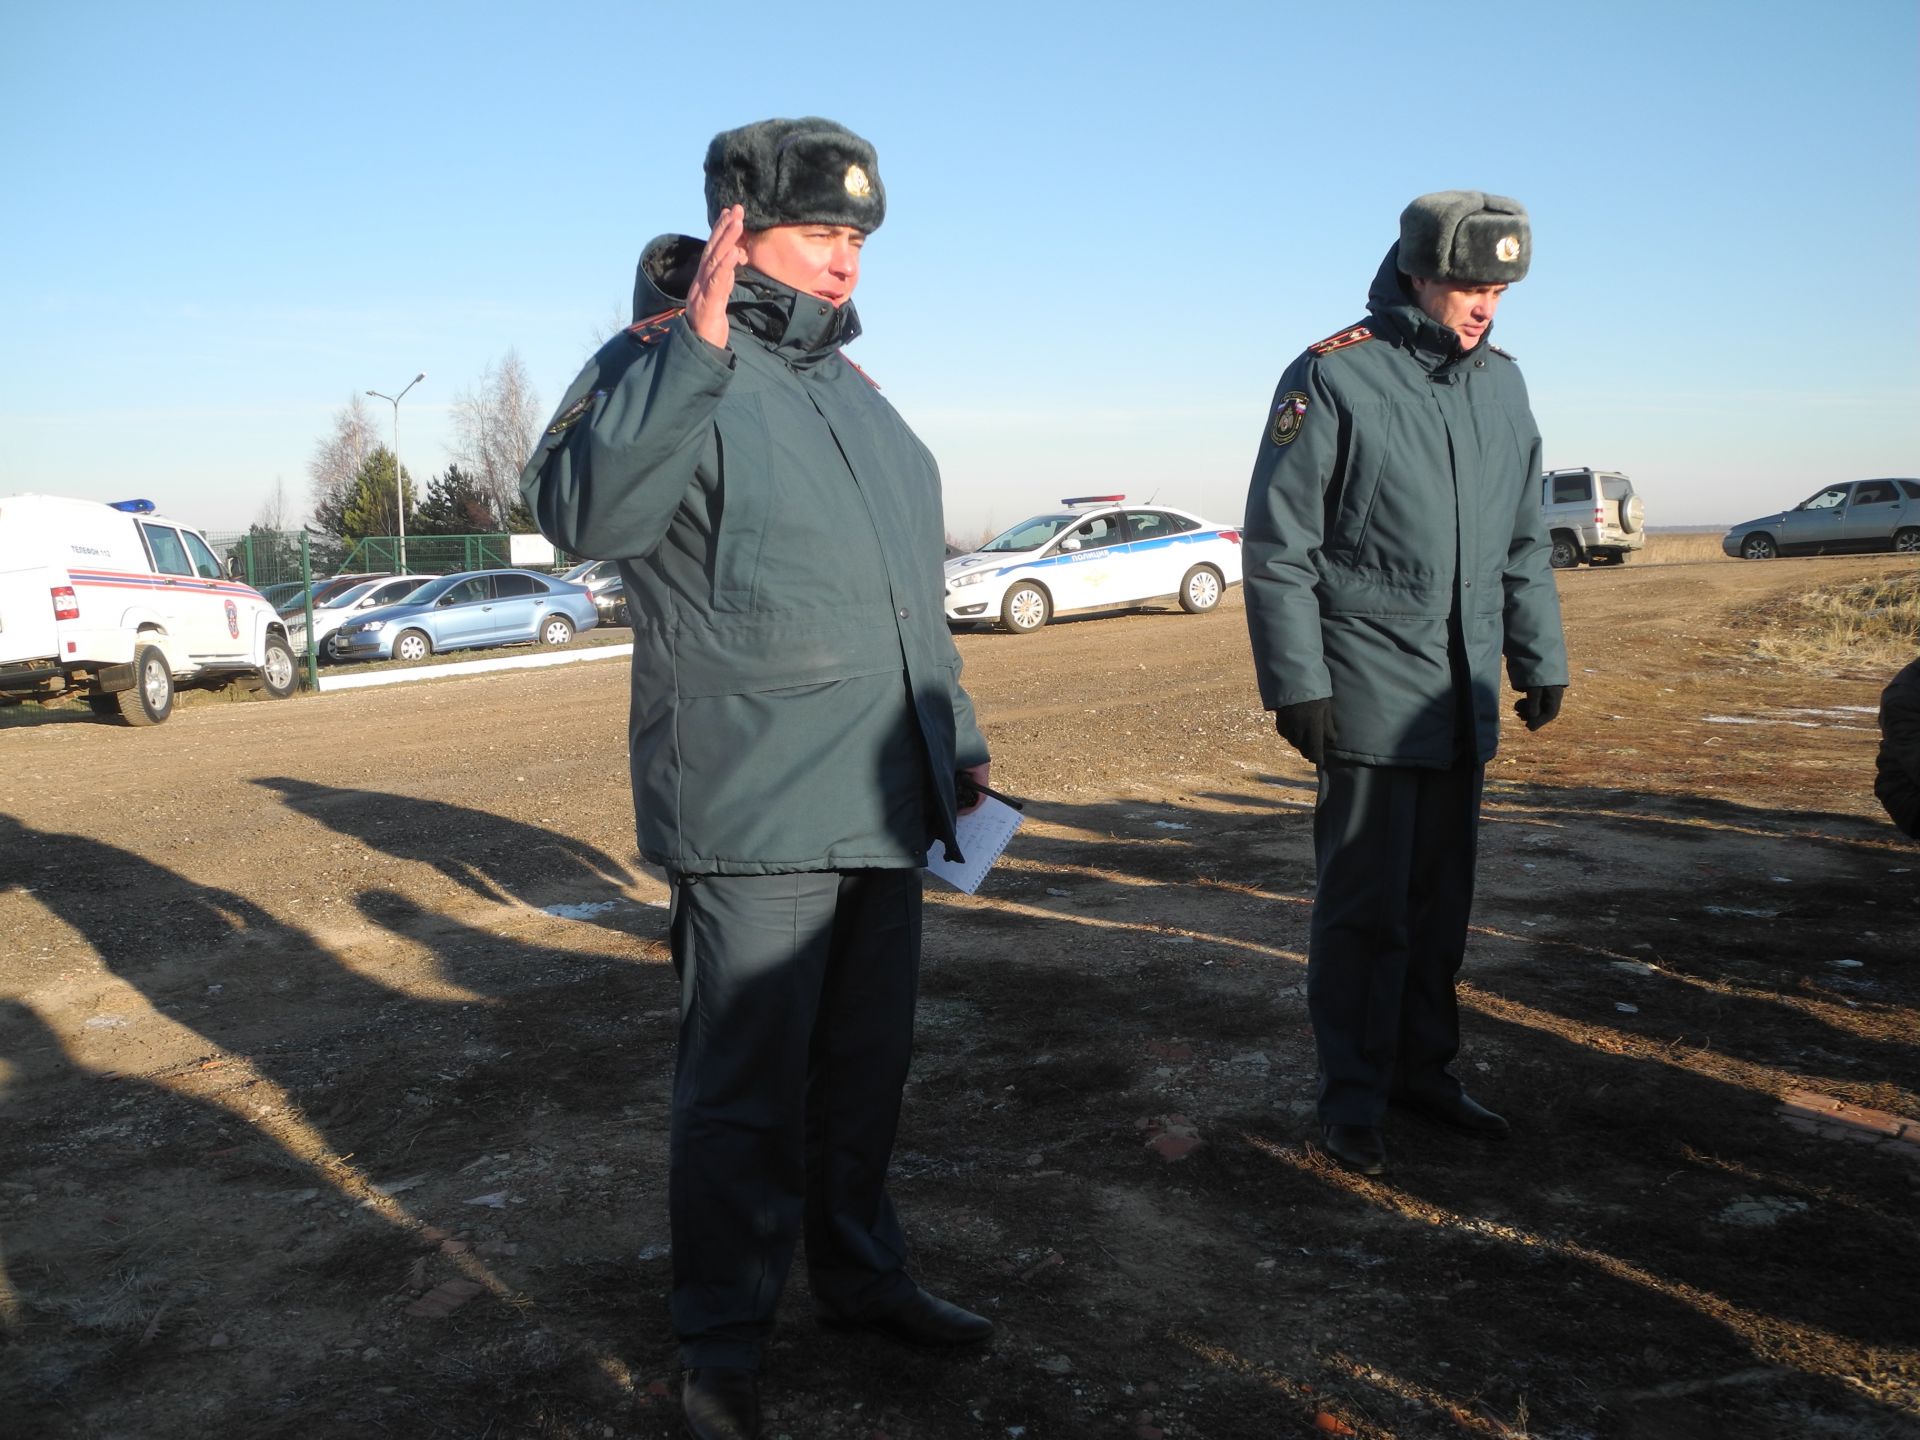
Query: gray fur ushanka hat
[
  {"x": 796, "y": 172},
  {"x": 1466, "y": 236}
]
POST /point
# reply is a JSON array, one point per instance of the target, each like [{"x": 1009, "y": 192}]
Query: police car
[
  {"x": 1095, "y": 553},
  {"x": 122, "y": 606}
]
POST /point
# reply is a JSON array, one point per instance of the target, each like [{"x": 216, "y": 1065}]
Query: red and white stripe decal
[{"x": 150, "y": 580}]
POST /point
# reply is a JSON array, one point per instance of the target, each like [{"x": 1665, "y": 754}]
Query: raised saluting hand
[{"x": 713, "y": 282}]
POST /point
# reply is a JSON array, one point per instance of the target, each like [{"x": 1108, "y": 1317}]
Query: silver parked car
[
  {"x": 1853, "y": 515},
  {"x": 330, "y": 615}
]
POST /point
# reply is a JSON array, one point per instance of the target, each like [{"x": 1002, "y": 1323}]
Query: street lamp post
[{"x": 399, "y": 487}]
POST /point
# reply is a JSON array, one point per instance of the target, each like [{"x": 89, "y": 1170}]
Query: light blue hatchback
[{"x": 473, "y": 608}]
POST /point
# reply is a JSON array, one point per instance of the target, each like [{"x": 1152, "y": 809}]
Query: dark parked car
[
  {"x": 601, "y": 579},
  {"x": 1853, "y": 515}
]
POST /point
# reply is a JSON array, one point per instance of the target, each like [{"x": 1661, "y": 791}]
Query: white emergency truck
[{"x": 123, "y": 606}]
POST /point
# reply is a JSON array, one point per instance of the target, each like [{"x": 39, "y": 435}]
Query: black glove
[
  {"x": 1540, "y": 704},
  {"x": 1308, "y": 727}
]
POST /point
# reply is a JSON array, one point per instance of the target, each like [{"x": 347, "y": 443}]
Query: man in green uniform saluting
[
  {"x": 1394, "y": 554},
  {"x": 796, "y": 731}
]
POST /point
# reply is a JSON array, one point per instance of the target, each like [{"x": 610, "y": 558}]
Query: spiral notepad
[{"x": 983, "y": 835}]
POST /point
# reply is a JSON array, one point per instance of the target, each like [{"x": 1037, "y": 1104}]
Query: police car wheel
[
  {"x": 1907, "y": 542},
  {"x": 151, "y": 699},
  {"x": 1025, "y": 609},
  {"x": 412, "y": 645},
  {"x": 278, "y": 673},
  {"x": 1758, "y": 547},
  {"x": 1200, "y": 590},
  {"x": 1566, "y": 554},
  {"x": 556, "y": 630}
]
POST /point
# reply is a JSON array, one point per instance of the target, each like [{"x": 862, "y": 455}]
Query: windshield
[
  {"x": 347, "y": 597},
  {"x": 430, "y": 591},
  {"x": 1029, "y": 534},
  {"x": 298, "y": 599},
  {"x": 578, "y": 574}
]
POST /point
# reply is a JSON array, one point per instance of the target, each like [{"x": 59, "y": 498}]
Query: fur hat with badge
[
  {"x": 1466, "y": 236},
  {"x": 796, "y": 172}
]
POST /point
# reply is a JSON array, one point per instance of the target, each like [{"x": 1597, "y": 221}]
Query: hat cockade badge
[
  {"x": 1508, "y": 250},
  {"x": 858, "y": 185}
]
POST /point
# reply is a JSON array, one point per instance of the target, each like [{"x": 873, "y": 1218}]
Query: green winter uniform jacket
[
  {"x": 796, "y": 692},
  {"x": 1393, "y": 541},
  {"x": 1897, "y": 766}
]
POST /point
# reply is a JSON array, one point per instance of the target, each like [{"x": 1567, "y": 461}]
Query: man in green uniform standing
[
  {"x": 1394, "y": 554},
  {"x": 796, "y": 731}
]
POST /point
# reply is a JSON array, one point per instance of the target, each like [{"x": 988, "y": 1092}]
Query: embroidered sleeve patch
[
  {"x": 571, "y": 415},
  {"x": 1288, "y": 416}
]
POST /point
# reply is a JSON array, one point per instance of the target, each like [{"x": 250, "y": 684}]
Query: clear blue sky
[{"x": 1110, "y": 225}]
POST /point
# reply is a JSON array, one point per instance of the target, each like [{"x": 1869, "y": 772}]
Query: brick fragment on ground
[
  {"x": 1171, "y": 1137},
  {"x": 445, "y": 1298}
]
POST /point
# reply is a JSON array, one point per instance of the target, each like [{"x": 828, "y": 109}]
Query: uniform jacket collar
[
  {"x": 801, "y": 329},
  {"x": 1397, "y": 318}
]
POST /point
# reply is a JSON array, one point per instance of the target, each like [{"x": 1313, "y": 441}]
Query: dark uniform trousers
[
  {"x": 1394, "y": 854},
  {"x": 796, "y": 1031}
]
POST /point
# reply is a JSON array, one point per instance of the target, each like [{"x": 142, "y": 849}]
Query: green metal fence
[
  {"x": 284, "y": 564},
  {"x": 428, "y": 554},
  {"x": 275, "y": 557}
]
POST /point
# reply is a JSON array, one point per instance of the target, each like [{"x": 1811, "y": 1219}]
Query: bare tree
[
  {"x": 495, "y": 426},
  {"x": 273, "y": 509},
  {"x": 337, "y": 462},
  {"x": 616, "y": 320}
]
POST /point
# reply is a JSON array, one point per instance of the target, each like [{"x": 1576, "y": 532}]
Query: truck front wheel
[{"x": 277, "y": 671}]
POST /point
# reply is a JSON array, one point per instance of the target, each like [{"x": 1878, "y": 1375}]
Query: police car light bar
[
  {"x": 1094, "y": 500},
  {"x": 134, "y": 507}
]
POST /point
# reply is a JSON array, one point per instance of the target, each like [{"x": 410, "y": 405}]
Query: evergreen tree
[
  {"x": 368, "y": 507},
  {"x": 454, "y": 506},
  {"x": 266, "y": 556}
]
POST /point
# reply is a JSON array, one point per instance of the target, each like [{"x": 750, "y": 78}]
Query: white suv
[
  {"x": 121, "y": 606},
  {"x": 1591, "y": 515}
]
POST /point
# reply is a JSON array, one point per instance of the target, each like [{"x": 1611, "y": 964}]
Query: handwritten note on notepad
[{"x": 982, "y": 836}]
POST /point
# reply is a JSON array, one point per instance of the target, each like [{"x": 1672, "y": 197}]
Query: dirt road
[{"x": 336, "y": 1033}]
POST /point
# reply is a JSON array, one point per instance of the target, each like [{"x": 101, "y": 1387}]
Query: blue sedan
[{"x": 474, "y": 608}]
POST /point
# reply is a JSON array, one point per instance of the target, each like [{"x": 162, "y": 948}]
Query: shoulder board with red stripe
[
  {"x": 1501, "y": 353},
  {"x": 1358, "y": 335},
  {"x": 861, "y": 373},
  {"x": 649, "y": 330}
]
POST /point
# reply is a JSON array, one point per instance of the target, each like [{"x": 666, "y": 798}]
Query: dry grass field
[
  {"x": 1680, "y": 547},
  {"x": 336, "y": 1038}
]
